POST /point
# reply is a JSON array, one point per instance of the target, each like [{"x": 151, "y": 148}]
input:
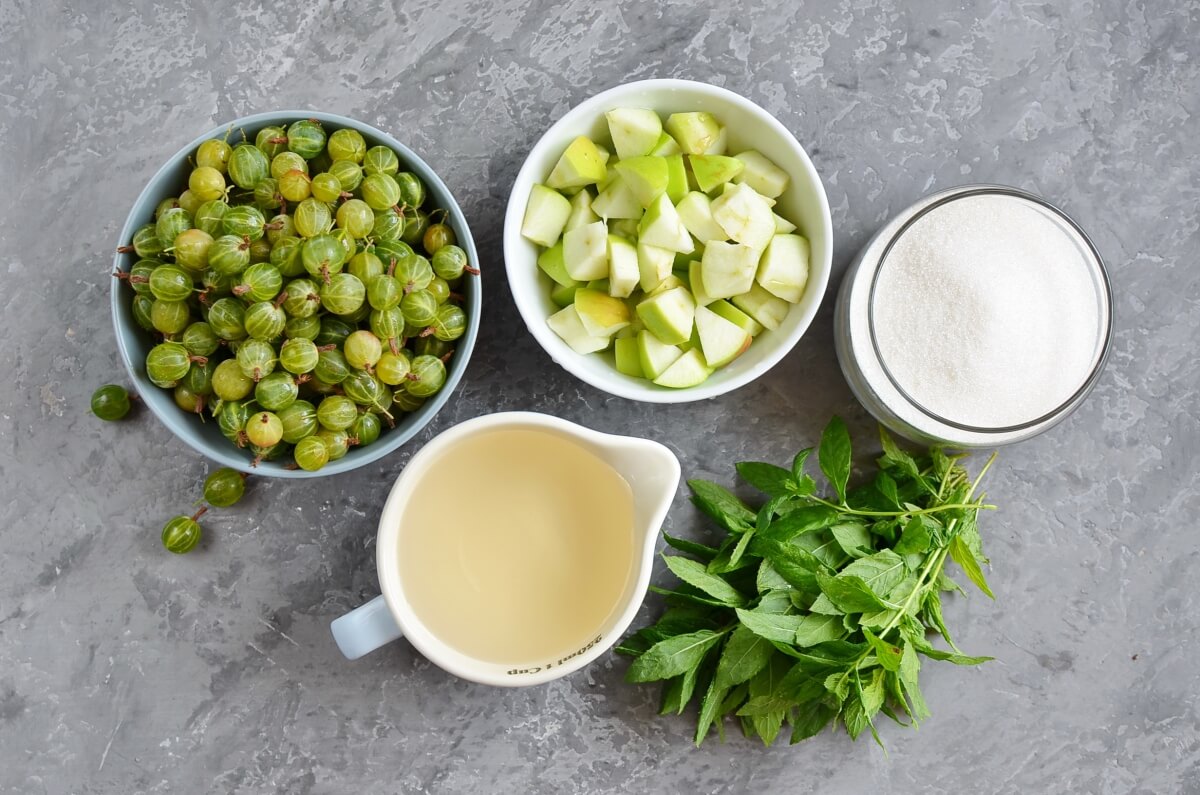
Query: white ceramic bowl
[{"x": 750, "y": 127}]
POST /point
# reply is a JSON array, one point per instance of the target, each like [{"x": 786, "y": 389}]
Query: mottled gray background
[{"x": 124, "y": 669}]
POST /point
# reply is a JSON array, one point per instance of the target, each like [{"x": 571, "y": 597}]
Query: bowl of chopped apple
[{"x": 668, "y": 241}]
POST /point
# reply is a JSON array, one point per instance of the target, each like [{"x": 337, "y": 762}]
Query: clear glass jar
[{"x": 867, "y": 372}]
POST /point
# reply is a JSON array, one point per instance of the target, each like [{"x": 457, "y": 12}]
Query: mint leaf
[
  {"x": 910, "y": 668},
  {"x": 849, "y": 593},
  {"x": 721, "y": 505},
  {"x": 881, "y": 572},
  {"x": 887, "y": 489},
  {"x": 672, "y": 656},
  {"x": 799, "y": 522},
  {"x": 896, "y": 458},
  {"x": 796, "y": 566},
  {"x": 834, "y": 456},
  {"x": 887, "y": 653},
  {"x": 798, "y": 464},
  {"x": 814, "y": 629},
  {"x": 694, "y": 574},
  {"x": 853, "y": 538},
  {"x": 774, "y": 481},
  {"x": 766, "y": 707},
  {"x": 744, "y": 655},
  {"x": 771, "y": 580},
  {"x": 708, "y": 709},
  {"x": 966, "y": 560},
  {"x": 774, "y": 602},
  {"x": 772, "y": 626},
  {"x": 916, "y": 537},
  {"x": 822, "y": 546},
  {"x": 808, "y": 721},
  {"x": 702, "y": 551}
]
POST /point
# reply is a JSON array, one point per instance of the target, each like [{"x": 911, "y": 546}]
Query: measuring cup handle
[{"x": 365, "y": 629}]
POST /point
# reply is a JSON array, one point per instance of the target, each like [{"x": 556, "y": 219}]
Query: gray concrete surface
[{"x": 126, "y": 670}]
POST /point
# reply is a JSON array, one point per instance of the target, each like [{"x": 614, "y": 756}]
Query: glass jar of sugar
[{"x": 979, "y": 316}]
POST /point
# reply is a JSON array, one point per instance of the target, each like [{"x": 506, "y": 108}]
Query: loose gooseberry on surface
[
  {"x": 110, "y": 402},
  {"x": 224, "y": 487},
  {"x": 181, "y": 534}
]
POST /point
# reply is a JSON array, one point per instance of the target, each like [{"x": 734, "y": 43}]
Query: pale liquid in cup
[{"x": 517, "y": 546}]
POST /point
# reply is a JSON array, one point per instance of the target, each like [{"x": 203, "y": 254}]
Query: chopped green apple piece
[
  {"x": 696, "y": 283},
  {"x": 634, "y": 131},
  {"x": 713, "y": 171},
  {"x": 660, "y": 226},
  {"x": 629, "y": 359},
  {"x": 745, "y": 216},
  {"x": 545, "y": 214},
  {"x": 623, "y": 270},
  {"x": 564, "y": 295},
  {"x": 761, "y": 174},
  {"x": 581, "y": 164},
  {"x": 669, "y": 282},
  {"x": 728, "y": 268},
  {"x": 695, "y": 210},
  {"x": 604, "y": 154},
  {"x": 665, "y": 147},
  {"x": 551, "y": 262},
  {"x": 737, "y": 317},
  {"x": 721, "y": 341},
  {"x": 581, "y": 211},
  {"x": 655, "y": 355},
  {"x": 601, "y": 314},
  {"x": 646, "y": 177},
  {"x": 783, "y": 226},
  {"x": 717, "y": 147},
  {"x": 617, "y": 200},
  {"x": 689, "y": 369},
  {"x": 654, "y": 265},
  {"x": 585, "y": 252},
  {"x": 668, "y": 314},
  {"x": 682, "y": 261},
  {"x": 677, "y": 179},
  {"x": 765, "y": 308},
  {"x": 598, "y": 284},
  {"x": 694, "y": 132},
  {"x": 783, "y": 269},
  {"x": 567, "y": 324}
]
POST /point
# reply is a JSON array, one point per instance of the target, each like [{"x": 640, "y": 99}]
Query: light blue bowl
[{"x": 134, "y": 343}]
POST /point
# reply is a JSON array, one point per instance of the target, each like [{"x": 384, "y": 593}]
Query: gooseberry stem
[{"x": 203, "y": 510}]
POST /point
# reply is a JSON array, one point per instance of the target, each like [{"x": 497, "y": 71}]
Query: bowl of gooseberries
[
  {"x": 297, "y": 294},
  {"x": 668, "y": 241}
]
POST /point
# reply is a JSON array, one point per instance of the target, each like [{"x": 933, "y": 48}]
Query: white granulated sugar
[{"x": 986, "y": 312}]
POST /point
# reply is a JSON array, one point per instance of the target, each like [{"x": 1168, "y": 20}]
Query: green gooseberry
[
  {"x": 298, "y": 356},
  {"x": 450, "y": 323},
  {"x": 406, "y": 401},
  {"x": 356, "y": 217},
  {"x": 414, "y": 272},
  {"x": 449, "y": 262},
  {"x": 170, "y": 224},
  {"x": 231, "y": 420},
  {"x": 256, "y": 359},
  {"x": 302, "y": 327},
  {"x": 384, "y": 292},
  {"x": 380, "y": 191},
  {"x": 349, "y": 174},
  {"x": 187, "y": 400},
  {"x": 412, "y": 189},
  {"x": 280, "y": 226},
  {"x": 301, "y": 298},
  {"x": 214, "y": 153},
  {"x": 419, "y": 308},
  {"x": 325, "y": 187},
  {"x": 343, "y": 294},
  {"x": 295, "y": 186},
  {"x": 229, "y": 382},
  {"x": 439, "y": 288},
  {"x": 229, "y": 255},
  {"x": 191, "y": 250},
  {"x": 299, "y": 420},
  {"x": 312, "y": 217},
  {"x": 170, "y": 317},
  {"x": 244, "y": 221},
  {"x": 143, "y": 309},
  {"x": 311, "y": 453},
  {"x": 334, "y": 331},
  {"x": 388, "y": 224},
  {"x": 208, "y": 216},
  {"x": 260, "y": 250},
  {"x": 227, "y": 317},
  {"x": 170, "y": 283},
  {"x": 284, "y": 162},
  {"x": 366, "y": 390},
  {"x": 392, "y": 368},
  {"x": 388, "y": 324},
  {"x": 169, "y": 203},
  {"x": 431, "y": 346},
  {"x": 199, "y": 377},
  {"x": 248, "y": 166},
  {"x": 261, "y": 281},
  {"x": 206, "y": 183},
  {"x": 347, "y": 144},
  {"x": 200, "y": 339},
  {"x": 181, "y": 534},
  {"x": 415, "y": 224},
  {"x": 337, "y": 412},
  {"x": 336, "y": 442},
  {"x": 111, "y": 402},
  {"x": 224, "y": 487},
  {"x": 267, "y": 195},
  {"x": 365, "y": 265},
  {"x": 323, "y": 255},
  {"x": 362, "y": 350},
  {"x": 167, "y": 363},
  {"x": 286, "y": 255},
  {"x": 366, "y": 429},
  {"x": 380, "y": 160},
  {"x": 271, "y": 141},
  {"x": 264, "y": 429},
  {"x": 276, "y": 391},
  {"x": 427, "y": 376},
  {"x": 331, "y": 367},
  {"x": 306, "y": 138},
  {"x": 264, "y": 320}
]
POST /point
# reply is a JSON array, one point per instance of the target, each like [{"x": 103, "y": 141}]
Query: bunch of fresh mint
[{"x": 815, "y": 611}]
